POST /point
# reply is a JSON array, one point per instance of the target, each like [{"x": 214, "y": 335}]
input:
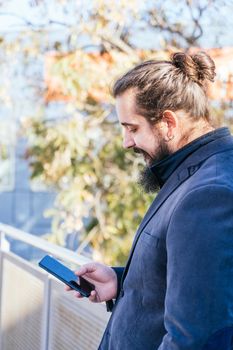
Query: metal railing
[{"x": 35, "y": 311}]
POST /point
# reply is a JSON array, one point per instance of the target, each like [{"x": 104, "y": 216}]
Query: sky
[
  {"x": 39, "y": 15},
  {"x": 23, "y": 9}
]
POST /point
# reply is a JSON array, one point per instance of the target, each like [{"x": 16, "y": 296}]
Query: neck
[{"x": 191, "y": 133}]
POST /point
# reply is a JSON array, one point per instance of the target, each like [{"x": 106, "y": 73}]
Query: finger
[
  {"x": 93, "y": 296},
  {"x": 85, "y": 269},
  {"x": 67, "y": 288},
  {"x": 78, "y": 295}
]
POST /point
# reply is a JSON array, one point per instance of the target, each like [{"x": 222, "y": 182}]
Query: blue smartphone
[{"x": 66, "y": 275}]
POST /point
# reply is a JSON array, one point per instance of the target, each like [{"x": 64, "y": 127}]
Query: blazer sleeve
[
  {"x": 199, "y": 297},
  {"x": 119, "y": 272}
]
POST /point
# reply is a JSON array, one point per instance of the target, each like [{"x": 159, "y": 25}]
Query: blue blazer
[{"x": 176, "y": 291}]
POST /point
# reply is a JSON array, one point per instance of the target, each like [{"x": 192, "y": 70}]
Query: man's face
[
  {"x": 138, "y": 133},
  {"x": 141, "y": 136}
]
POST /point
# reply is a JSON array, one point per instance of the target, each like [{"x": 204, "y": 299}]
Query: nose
[{"x": 128, "y": 140}]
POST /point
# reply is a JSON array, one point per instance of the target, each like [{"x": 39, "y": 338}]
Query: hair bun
[{"x": 198, "y": 67}]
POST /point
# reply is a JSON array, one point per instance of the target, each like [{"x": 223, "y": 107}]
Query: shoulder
[
  {"x": 214, "y": 173},
  {"x": 206, "y": 196},
  {"x": 204, "y": 212},
  {"x": 202, "y": 222}
]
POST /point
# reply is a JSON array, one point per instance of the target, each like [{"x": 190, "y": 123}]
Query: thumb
[{"x": 88, "y": 268}]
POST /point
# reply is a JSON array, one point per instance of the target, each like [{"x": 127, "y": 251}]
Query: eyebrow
[{"x": 129, "y": 124}]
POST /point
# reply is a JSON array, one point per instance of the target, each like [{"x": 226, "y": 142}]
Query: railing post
[{"x": 46, "y": 306}]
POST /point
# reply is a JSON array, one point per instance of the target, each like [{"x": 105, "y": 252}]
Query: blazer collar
[{"x": 163, "y": 169}]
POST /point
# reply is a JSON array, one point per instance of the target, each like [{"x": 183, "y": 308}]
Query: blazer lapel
[{"x": 163, "y": 194}]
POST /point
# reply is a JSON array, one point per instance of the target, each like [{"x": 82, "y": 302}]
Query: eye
[{"x": 132, "y": 130}]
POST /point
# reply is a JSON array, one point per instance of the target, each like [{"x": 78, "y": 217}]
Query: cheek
[{"x": 150, "y": 145}]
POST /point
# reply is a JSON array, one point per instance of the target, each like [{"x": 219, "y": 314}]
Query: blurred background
[{"x": 64, "y": 174}]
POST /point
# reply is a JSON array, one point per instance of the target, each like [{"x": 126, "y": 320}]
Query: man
[{"x": 176, "y": 291}]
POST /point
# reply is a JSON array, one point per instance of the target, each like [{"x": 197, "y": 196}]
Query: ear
[{"x": 169, "y": 123}]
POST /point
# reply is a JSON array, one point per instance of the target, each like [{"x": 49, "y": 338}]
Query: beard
[{"x": 147, "y": 180}]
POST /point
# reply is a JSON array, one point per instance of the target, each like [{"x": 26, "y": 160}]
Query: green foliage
[{"x": 95, "y": 178}]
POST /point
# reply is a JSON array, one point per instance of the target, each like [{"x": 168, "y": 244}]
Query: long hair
[{"x": 178, "y": 84}]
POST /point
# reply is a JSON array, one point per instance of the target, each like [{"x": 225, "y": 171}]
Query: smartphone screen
[{"x": 66, "y": 275}]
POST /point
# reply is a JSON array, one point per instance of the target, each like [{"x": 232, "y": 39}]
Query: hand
[{"x": 103, "y": 277}]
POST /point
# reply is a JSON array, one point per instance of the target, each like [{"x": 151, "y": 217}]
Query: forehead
[{"x": 126, "y": 111}]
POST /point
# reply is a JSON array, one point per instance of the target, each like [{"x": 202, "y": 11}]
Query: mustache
[
  {"x": 140, "y": 151},
  {"x": 137, "y": 150}
]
